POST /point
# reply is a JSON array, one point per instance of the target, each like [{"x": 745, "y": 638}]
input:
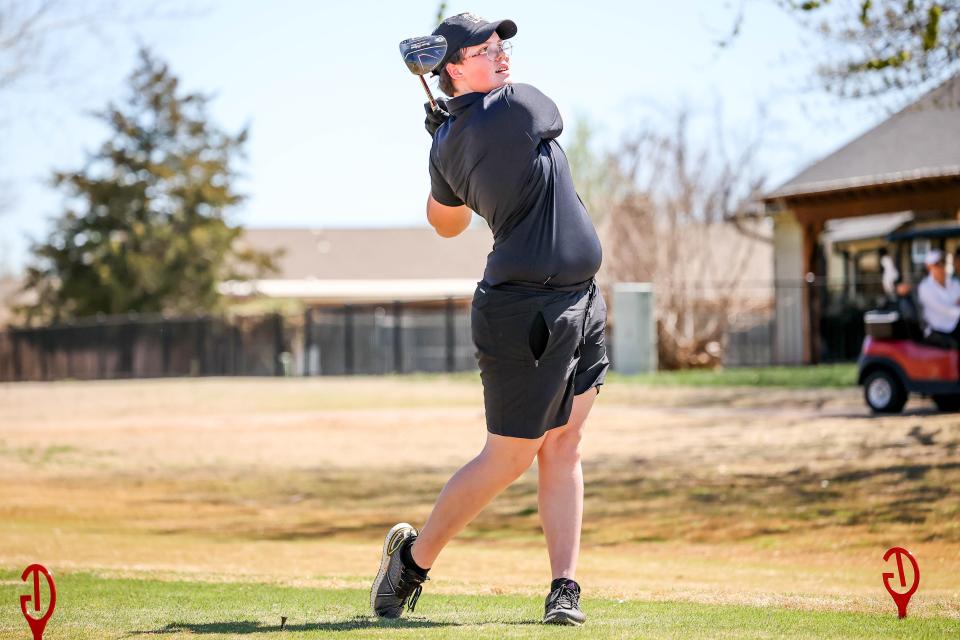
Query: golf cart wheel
[
  {"x": 884, "y": 392},
  {"x": 947, "y": 401}
]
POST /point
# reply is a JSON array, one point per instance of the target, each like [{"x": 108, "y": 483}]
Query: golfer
[{"x": 537, "y": 317}]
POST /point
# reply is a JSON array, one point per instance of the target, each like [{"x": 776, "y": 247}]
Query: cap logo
[{"x": 472, "y": 17}]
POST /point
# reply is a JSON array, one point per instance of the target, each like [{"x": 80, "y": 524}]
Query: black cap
[{"x": 468, "y": 30}]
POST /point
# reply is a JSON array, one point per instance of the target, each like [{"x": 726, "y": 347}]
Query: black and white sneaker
[
  {"x": 396, "y": 582},
  {"x": 563, "y": 604}
]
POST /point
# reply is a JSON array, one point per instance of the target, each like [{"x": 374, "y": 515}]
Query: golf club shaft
[{"x": 433, "y": 103}]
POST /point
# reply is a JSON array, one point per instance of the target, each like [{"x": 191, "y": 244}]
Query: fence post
[
  {"x": 198, "y": 346},
  {"x": 67, "y": 337},
  {"x": 277, "y": 344},
  {"x": 239, "y": 361},
  {"x": 774, "y": 347},
  {"x": 307, "y": 340},
  {"x": 813, "y": 334},
  {"x": 348, "y": 339},
  {"x": 165, "y": 345},
  {"x": 451, "y": 336},
  {"x": 126, "y": 354},
  {"x": 17, "y": 363},
  {"x": 397, "y": 336},
  {"x": 44, "y": 364},
  {"x": 101, "y": 346}
]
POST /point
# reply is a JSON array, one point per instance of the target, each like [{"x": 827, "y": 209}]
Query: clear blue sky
[{"x": 336, "y": 120}]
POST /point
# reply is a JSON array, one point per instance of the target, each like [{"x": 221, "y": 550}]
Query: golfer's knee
[
  {"x": 517, "y": 464},
  {"x": 510, "y": 462},
  {"x": 562, "y": 448}
]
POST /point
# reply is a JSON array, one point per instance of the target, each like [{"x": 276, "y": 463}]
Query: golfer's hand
[{"x": 435, "y": 119}]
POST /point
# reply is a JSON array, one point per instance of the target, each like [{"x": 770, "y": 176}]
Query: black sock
[
  {"x": 407, "y": 557},
  {"x": 560, "y": 582}
]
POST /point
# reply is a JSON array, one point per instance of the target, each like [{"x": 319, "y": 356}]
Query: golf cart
[{"x": 900, "y": 355}]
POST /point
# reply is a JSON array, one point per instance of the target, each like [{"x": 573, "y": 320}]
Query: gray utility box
[{"x": 634, "y": 328}]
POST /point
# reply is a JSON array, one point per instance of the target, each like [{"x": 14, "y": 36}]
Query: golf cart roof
[{"x": 951, "y": 231}]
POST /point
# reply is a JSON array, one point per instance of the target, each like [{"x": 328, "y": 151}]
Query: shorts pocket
[
  {"x": 502, "y": 337},
  {"x": 539, "y": 336}
]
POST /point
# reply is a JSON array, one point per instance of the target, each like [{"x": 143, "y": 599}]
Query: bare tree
[
  {"x": 670, "y": 206},
  {"x": 22, "y": 26},
  {"x": 36, "y": 35},
  {"x": 38, "y": 39}
]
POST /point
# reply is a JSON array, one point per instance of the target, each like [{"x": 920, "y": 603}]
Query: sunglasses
[{"x": 493, "y": 51}]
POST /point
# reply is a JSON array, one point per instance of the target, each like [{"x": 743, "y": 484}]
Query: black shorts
[{"x": 537, "y": 350}]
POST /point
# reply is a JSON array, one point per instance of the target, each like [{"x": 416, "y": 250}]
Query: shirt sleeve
[
  {"x": 534, "y": 111},
  {"x": 439, "y": 187}
]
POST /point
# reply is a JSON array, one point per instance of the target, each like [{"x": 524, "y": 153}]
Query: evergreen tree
[{"x": 145, "y": 227}]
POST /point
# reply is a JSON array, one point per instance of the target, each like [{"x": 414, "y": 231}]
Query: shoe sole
[
  {"x": 563, "y": 619},
  {"x": 390, "y": 544}
]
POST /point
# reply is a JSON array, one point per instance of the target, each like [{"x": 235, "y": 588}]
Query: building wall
[{"x": 788, "y": 270}]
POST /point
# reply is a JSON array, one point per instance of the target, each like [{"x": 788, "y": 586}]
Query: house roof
[
  {"x": 373, "y": 254},
  {"x": 338, "y": 266},
  {"x": 366, "y": 265},
  {"x": 917, "y": 143}
]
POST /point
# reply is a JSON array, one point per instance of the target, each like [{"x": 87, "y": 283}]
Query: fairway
[{"x": 214, "y": 506}]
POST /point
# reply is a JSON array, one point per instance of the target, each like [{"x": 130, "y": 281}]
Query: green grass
[
  {"x": 810, "y": 377},
  {"x": 802, "y": 377},
  {"x": 798, "y": 377},
  {"x": 94, "y": 607}
]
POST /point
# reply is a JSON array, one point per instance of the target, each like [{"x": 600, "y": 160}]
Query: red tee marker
[
  {"x": 902, "y": 599},
  {"x": 37, "y": 625}
]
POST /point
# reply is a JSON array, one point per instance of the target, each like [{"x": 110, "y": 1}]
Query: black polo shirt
[{"x": 498, "y": 154}]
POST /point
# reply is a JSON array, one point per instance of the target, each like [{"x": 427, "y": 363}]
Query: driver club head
[{"x": 423, "y": 54}]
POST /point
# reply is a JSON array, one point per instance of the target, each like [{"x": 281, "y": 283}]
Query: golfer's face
[
  {"x": 480, "y": 72},
  {"x": 938, "y": 270}
]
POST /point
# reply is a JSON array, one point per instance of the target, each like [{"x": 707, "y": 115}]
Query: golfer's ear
[{"x": 454, "y": 70}]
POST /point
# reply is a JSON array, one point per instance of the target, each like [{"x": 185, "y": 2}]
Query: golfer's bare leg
[
  {"x": 502, "y": 461},
  {"x": 561, "y": 488}
]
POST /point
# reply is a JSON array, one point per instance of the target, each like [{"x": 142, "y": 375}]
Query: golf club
[{"x": 422, "y": 55}]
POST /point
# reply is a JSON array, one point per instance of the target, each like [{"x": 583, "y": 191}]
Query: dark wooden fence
[
  {"x": 352, "y": 339},
  {"x": 379, "y": 338}
]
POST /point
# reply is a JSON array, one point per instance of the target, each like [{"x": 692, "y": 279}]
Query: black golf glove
[{"x": 435, "y": 119}]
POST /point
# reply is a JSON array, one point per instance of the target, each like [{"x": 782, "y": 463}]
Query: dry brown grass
[{"x": 733, "y": 495}]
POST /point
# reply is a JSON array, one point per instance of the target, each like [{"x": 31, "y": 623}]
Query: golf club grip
[{"x": 433, "y": 103}]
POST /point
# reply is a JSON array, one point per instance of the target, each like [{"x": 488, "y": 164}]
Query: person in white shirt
[
  {"x": 890, "y": 274},
  {"x": 939, "y": 296}
]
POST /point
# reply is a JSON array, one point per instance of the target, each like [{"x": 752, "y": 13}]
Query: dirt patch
[{"x": 791, "y": 495}]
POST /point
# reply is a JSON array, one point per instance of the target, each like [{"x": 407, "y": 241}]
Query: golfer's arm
[{"x": 447, "y": 221}]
